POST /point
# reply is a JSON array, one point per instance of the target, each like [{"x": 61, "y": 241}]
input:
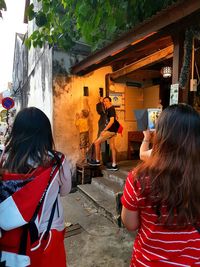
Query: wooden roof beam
[{"x": 153, "y": 58}]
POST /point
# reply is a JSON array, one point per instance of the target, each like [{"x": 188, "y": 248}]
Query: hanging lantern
[{"x": 166, "y": 72}]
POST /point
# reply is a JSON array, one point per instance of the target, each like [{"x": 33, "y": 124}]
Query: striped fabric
[{"x": 155, "y": 245}]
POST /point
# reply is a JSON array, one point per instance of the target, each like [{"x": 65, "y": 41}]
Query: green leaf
[
  {"x": 34, "y": 35},
  {"x": 30, "y": 12},
  {"x": 3, "y": 5},
  {"x": 64, "y": 3},
  {"x": 96, "y": 22},
  {"x": 28, "y": 43},
  {"x": 40, "y": 19}
]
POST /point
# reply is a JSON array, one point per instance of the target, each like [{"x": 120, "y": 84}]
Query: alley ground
[{"x": 100, "y": 243}]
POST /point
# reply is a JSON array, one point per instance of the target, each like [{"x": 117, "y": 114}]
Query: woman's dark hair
[
  {"x": 174, "y": 166},
  {"x": 30, "y": 140}
]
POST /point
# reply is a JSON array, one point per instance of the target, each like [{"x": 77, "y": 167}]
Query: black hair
[
  {"x": 110, "y": 99},
  {"x": 30, "y": 139}
]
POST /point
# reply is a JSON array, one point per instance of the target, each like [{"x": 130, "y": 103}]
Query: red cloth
[
  {"x": 53, "y": 255},
  {"x": 26, "y": 202}
]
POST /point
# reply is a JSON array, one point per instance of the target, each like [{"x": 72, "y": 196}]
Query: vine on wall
[{"x": 192, "y": 32}]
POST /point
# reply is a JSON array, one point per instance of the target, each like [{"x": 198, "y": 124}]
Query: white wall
[{"x": 40, "y": 73}]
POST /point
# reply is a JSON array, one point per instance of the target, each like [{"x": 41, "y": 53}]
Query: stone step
[
  {"x": 103, "y": 190},
  {"x": 108, "y": 186},
  {"x": 105, "y": 203},
  {"x": 117, "y": 176},
  {"x": 120, "y": 176}
]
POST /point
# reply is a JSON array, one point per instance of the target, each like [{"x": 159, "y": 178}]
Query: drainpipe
[{"x": 107, "y": 83}]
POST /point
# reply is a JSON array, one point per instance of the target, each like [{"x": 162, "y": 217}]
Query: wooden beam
[
  {"x": 140, "y": 75},
  {"x": 153, "y": 58}
]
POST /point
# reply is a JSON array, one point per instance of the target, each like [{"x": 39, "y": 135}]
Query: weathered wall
[
  {"x": 20, "y": 73},
  {"x": 40, "y": 80},
  {"x": 68, "y": 100}
]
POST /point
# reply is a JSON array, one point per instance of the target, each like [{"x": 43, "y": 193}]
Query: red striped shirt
[{"x": 155, "y": 245}]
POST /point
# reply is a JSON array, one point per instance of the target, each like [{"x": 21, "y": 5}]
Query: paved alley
[{"x": 100, "y": 243}]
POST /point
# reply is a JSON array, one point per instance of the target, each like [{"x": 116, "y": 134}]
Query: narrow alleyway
[{"x": 100, "y": 243}]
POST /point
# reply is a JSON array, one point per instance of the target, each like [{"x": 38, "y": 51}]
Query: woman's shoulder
[{"x": 139, "y": 183}]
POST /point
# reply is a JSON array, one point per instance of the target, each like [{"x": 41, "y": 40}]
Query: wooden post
[
  {"x": 107, "y": 83},
  {"x": 178, "y": 39},
  {"x": 192, "y": 73}
]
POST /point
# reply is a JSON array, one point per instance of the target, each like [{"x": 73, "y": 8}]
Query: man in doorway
[{"x": 108, "y": 133}]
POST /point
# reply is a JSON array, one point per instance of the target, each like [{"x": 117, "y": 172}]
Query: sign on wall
[
  {"x": 117, "y": 99},
  {"x": 8, "y": 103},
  {"x": 174, "y": 89}
]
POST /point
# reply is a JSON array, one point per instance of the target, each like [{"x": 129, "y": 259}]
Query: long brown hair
[{"x": 173, "y": 170}]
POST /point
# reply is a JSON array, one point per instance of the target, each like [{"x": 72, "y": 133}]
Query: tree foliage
[
  {"x": 96, "y": 22},
  {"x": 2, "y": 7}
]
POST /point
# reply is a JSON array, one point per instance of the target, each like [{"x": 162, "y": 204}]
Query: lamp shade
[{"x": 166, "y": 72}]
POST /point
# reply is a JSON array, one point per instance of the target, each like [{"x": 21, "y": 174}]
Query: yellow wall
[
  {"x": 134, "y": 99},
  {"x": 151, "y": 96}
]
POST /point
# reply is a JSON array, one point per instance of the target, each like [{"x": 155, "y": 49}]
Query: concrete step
[
  {"x": 120, "y": 176},
  {"x": 102, "y": 190},
  {"x": 107, "y": 186},
  {"x": 104, "y": 202},
  {"x": 116, "y": 176}
]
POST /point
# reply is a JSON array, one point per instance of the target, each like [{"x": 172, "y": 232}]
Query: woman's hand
[{"x": 147, "y": 135}]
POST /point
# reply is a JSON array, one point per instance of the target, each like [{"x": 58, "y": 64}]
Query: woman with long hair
[
  {"x": 33, "y": 177},
  {"x": 162, "y": 195}
]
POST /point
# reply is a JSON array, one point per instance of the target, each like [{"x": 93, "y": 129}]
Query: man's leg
[
  {"x": 113, "y": 166},
  {"x": 113, "y": 150},
  {"x": 97, "y": 144}
]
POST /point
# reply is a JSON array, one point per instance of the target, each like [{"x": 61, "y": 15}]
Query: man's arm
[
  {"x": 99, "y": 108},
  {"x": 112, "y": 119}
]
